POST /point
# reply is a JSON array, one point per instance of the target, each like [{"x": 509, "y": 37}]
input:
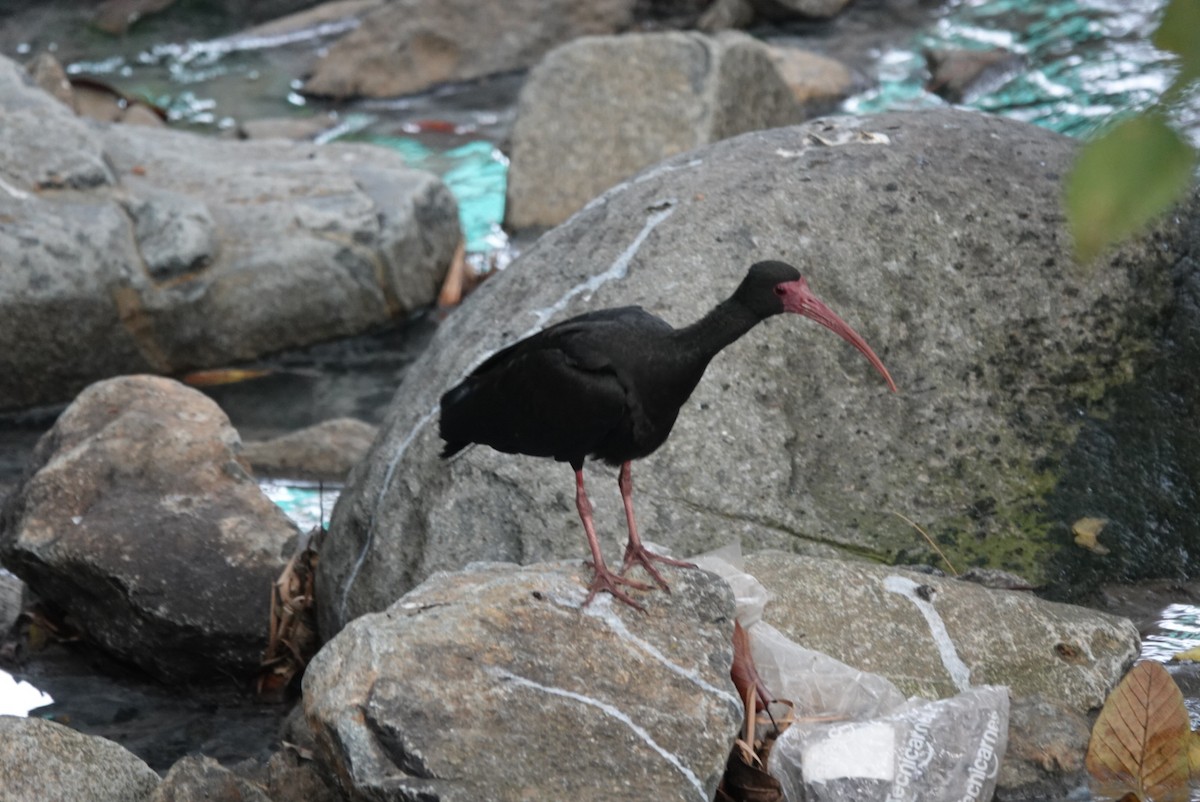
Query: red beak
[{"x": 799, "y": 299}]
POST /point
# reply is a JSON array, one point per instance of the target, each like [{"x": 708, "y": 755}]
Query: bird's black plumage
[
  {"x": 607, "y": 384},
  {"x": 610, "y": 384}
]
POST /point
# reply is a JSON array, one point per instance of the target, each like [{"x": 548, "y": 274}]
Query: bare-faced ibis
[{"x": 609, "y": 385}]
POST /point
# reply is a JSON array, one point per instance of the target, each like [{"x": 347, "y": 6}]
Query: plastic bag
[
  {"x": 855, "y": 737},
  {"x": 943, "y": 751}
]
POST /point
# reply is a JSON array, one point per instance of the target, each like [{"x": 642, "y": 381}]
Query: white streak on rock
[
  {"x": 387, "y": 482},
  {"x": 612, "y": 712},
  {"x": 19, "y": 194},
  {"x": 605, "y": 613},
  {"x": 958, "y": 670},
  {"x": 617, "y": 270}
]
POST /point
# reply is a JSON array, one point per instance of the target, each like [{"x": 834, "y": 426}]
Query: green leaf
[
  {"x": 1179, "y": 33},
  {"x": 1124, "y": 179}
]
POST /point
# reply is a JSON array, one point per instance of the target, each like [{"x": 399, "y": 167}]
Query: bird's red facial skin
[{"x": 799, "y": 299}]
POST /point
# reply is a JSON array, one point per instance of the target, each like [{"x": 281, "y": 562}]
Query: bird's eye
[{"x": 779, "y": 290}]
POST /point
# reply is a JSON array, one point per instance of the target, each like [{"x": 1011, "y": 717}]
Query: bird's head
[{"x": 772, "y": 288}]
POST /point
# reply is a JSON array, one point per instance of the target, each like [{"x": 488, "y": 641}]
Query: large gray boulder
[
  {"x": 810, "y": 9},
  {"x": 52, "y": 763},
  {"x": 12, "y": 599},
  {"x": 493, "y": 684},
  {"x": 323, "y": 452},
  {"x": 596, "y": 110},
  {"x": 138, "y": 520},
  {"x": 939, "y": 236},
  {"x": 952, "y": 633},
  {"x": 407, "y": 46},
  {"x": 197, "y": 778},
  {"x": 127, "y": 249}
]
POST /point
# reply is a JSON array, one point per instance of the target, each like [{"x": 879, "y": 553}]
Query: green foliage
[
  {"x": 1179, "y": 33},
  {"x": 1125, "y": 179},
  {"x": 1138, "y": 168}
]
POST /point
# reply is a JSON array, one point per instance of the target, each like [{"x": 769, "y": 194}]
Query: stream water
[{"x": 1081, "y": 62}]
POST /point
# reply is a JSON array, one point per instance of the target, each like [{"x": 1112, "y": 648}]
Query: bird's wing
[
  {"x": 561, "y": 333},
  {"x": 554, "y": 394}
]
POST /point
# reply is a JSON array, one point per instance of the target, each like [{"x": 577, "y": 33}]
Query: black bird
[{"x": 609, "y": 385}]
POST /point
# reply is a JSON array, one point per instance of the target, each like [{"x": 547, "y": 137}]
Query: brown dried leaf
[
  {"x": 1087, "y": 534},
  {"x": 746, "y": 778},
  {"x": 745, "y": 783},
  {"x": 1140, "y": 741},
  {"x": 292, "y": 634},
  {"x": 744, "y": 673},
  {"x": 454, "y": 286}
]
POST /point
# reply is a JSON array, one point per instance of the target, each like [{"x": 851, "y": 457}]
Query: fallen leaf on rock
[
  {"x": 1087, "y": 534},
  {"x": 1192, "y": 654},
  {"x": 211, "y": 378},
  {"x": 1141, "y": 740}
]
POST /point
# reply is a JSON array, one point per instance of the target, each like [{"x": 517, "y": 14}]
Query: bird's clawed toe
[
  {"x": 608, "y": 582},
  {"x": 640, "y": 555}
]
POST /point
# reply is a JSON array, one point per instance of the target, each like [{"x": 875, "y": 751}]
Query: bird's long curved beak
[{"x": 799, "y": 299}]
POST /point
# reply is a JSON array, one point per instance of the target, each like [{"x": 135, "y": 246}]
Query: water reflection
[
  {"x": 308, "y": 504},
  {"x": 1082, "y": 61},
  {"x": 1177, "y": 630}
]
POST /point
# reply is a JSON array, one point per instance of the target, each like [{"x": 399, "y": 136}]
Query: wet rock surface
[
  {"x": 139, "y": 522},
  {"x": 327, "y": 451},
  {"x": 818, "y": 83},
  {"x": 169, "y": 251},
  {"x": 493, "y": 683},
  {"x": 781, "y": 9},
  {"x": 958, "y": 74},
  {"x": 198, "y": 778},
  {"x": 97, "y": 695},
  {"x": 407, "y": 46},
  {"x": 791, "y": 441},
  {"x": 1047, "y": 744}
]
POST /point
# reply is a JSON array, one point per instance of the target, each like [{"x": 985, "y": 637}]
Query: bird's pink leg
[
  {"x": 603, "y": 579},
  {"x": 635, "y": 552}
]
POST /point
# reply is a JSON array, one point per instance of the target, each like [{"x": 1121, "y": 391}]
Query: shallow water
[
  {"x": 1083, "y": 62},
  {"x": 1178, "y": 630},
  {"x": 308, "y": 504},
  {"x": 215, "y": 84}
]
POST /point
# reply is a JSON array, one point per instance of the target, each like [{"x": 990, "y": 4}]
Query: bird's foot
[
  {"x": 605, "y": 580},
  {"x": 637, "y": 554}
]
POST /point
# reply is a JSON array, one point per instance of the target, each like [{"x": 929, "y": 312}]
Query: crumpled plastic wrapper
[{"x": 856, "y": 737}]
